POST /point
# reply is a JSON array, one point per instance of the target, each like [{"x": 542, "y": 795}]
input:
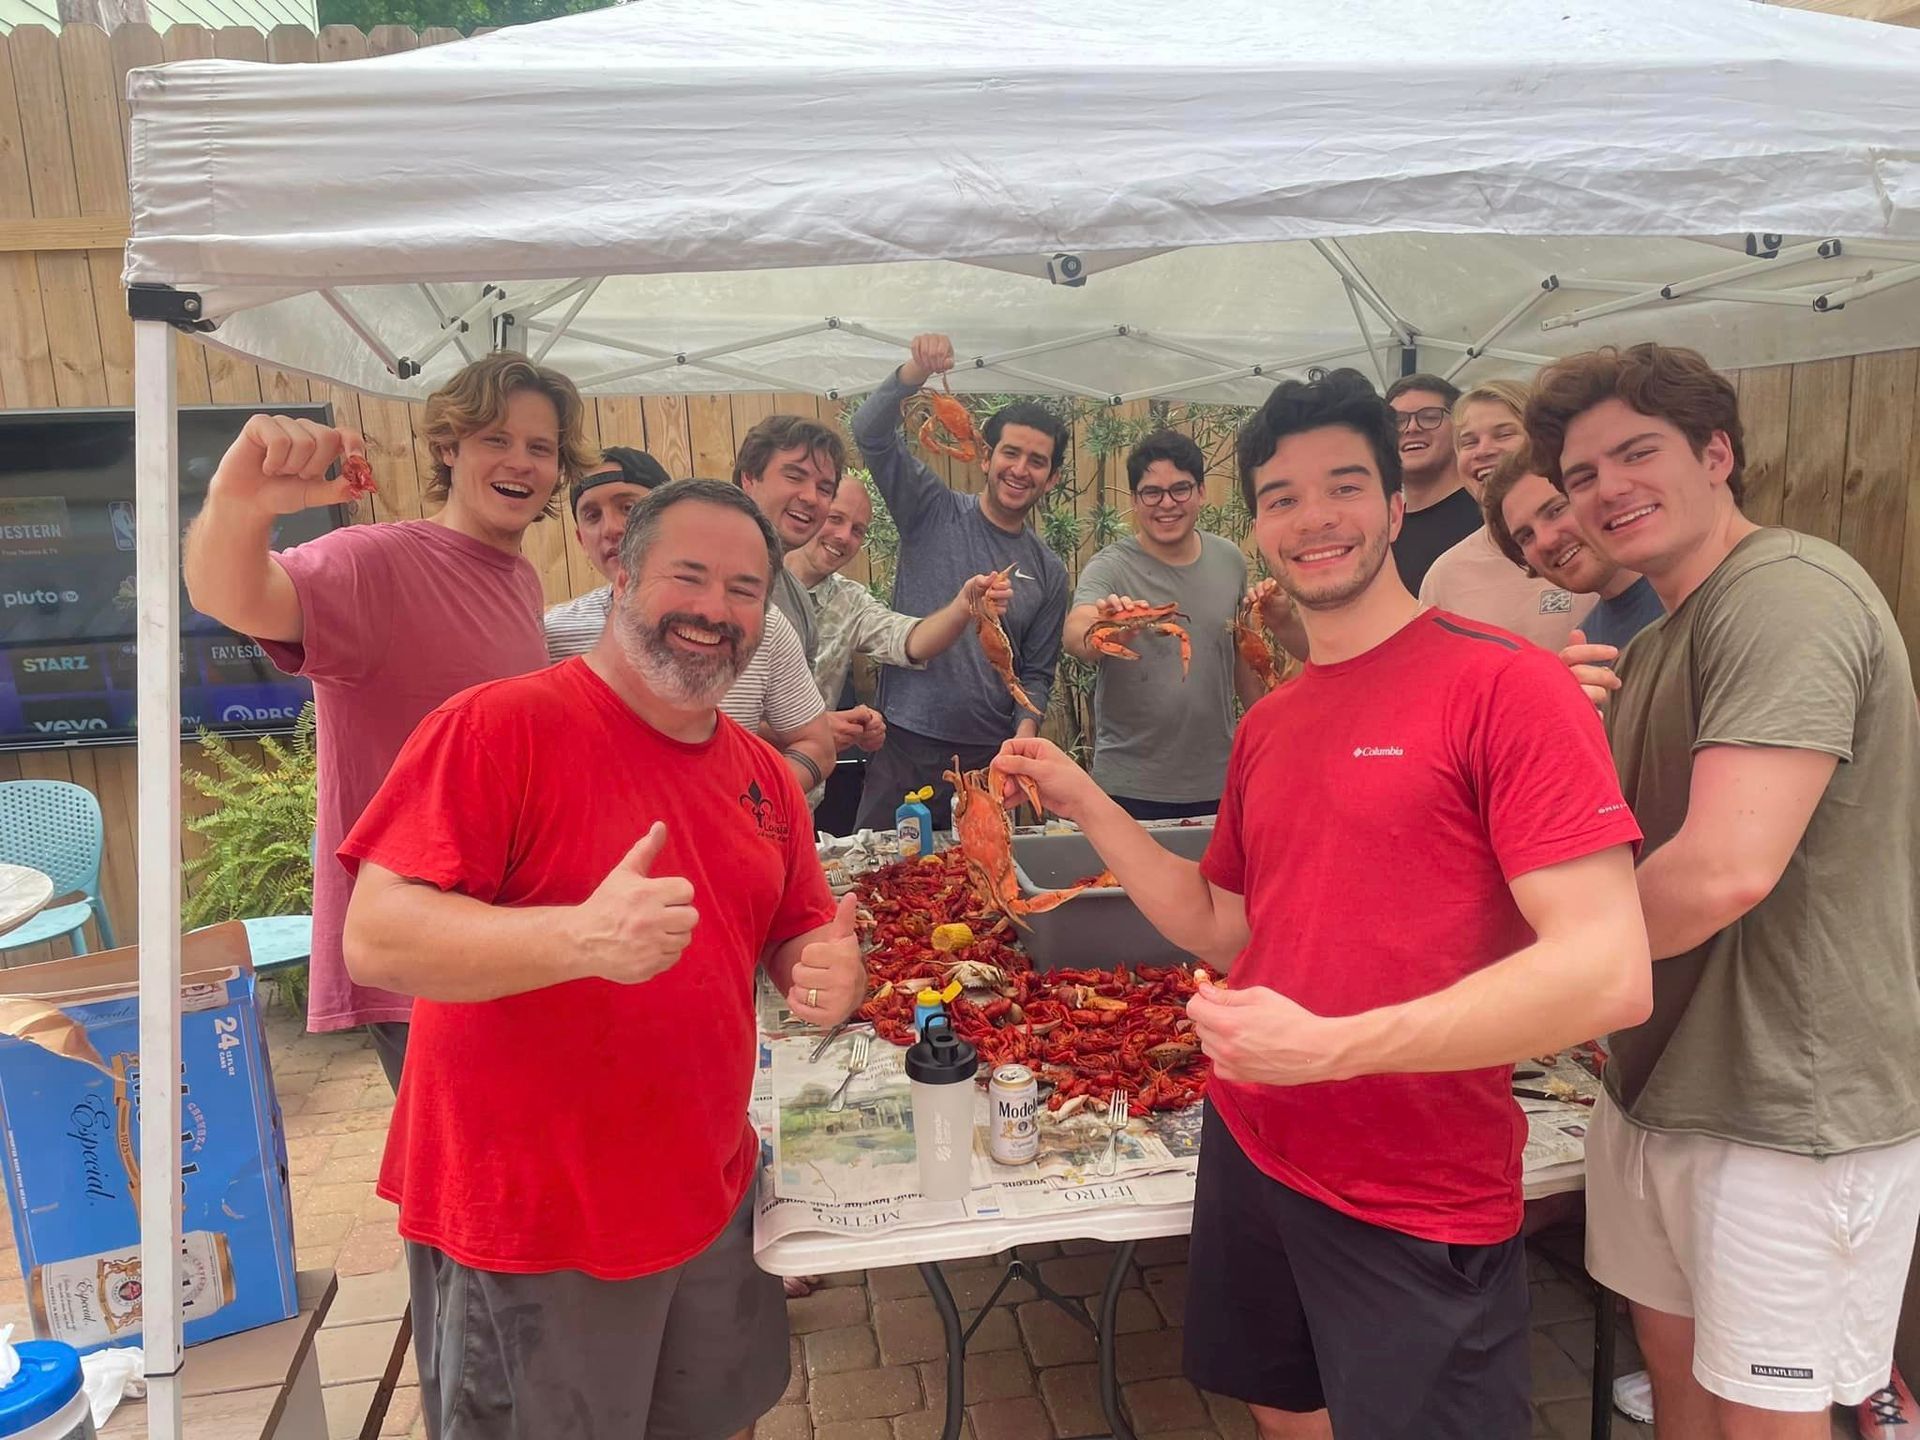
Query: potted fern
[{"x": 258, "y": 859}]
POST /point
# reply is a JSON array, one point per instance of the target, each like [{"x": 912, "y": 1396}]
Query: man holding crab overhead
[{"x": 960, "y": 704}]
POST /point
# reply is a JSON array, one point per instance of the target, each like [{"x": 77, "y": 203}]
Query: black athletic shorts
[{"x": 1295, "y": 1306}]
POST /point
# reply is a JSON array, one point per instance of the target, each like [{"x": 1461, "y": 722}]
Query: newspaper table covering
[{"x": 855, "y": 1169}]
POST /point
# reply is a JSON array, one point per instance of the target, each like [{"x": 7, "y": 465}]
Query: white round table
[{"x": 24, "y": 893}]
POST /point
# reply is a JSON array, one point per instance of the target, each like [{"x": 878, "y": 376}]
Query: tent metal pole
[
  {"x": 359, "y": 327},
  {"x": 1239, "y": 372},
  {"x": 1878, "y": 249},
  {"x": 1790, "y": 255},
  {"x": 1457, "y": 347},
  {"x": 1494, "y": 331},
  {"x": 1054, "y": 383},
  {"x": 695, "y": 362},
  {"x": 1832, "y": 300},
  {"x": 1360, "y": 324},
  {"x": 1158, "y": 341},
  {"x": 442, "y": 313},
  {"x": 1043, "y": 347},
  {"x": 157, "y": 677},
  {"x": 573, "y": 313},
  {"x": 1343, "y": 266},
  {"x": 453, "y": 328},
  {"x": 525, "y": 313},
  {"x": 1635, "y": 296}
]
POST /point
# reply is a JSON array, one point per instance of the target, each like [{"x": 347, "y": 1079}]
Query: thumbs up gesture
[
  {"x": 636, "y": 923},
  {"x": 829, "y": 978}
]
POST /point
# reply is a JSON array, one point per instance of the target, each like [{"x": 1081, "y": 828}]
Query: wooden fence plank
[
  {"x": 389, "y": 436},
  {"x": 240, "y": 42},
  {"x": 292, "y": 45},
  {"x": 710, "y": 436},
  {"x": 100, "y": 181},
  {"x": 1817, "y": 447},
  {"x": 1880, "y": 436},
  {"x": 391, "y": 40},
  {"x": 26, "y": 363},
  {"x": 66, "y": 280},
  {"x": 188, "y": 42},
  {"x": 1766, "y": 399},
  {"x": 667, "y": 438},
  {"x": 342, "y": 42}
]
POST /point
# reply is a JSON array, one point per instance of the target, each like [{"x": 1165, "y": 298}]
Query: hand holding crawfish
[
  {"x": 985, "y": 833},
  {"x": 1254, "y": 641},
  {"x": 994, "y": 641},
  {"x": 1122, "y": 616}
]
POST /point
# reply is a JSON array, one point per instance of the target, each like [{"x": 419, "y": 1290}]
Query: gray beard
[{"x": 686, "y": 682}]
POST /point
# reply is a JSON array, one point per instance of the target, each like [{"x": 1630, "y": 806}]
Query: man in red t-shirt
[
  {"x": 576, "y": 873},
  {"x": 388, "y": 620},
  {"x": 1422, "y": 872}
]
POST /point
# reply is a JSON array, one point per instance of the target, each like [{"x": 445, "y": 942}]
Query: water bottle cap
[{"x": 940, "y": 1057}]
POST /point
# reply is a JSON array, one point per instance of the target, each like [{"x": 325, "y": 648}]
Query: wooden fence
[{"x": 1833, "y": 446}]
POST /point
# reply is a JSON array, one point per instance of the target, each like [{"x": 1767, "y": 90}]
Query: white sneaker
[{"x": 1633, "y": 1396}]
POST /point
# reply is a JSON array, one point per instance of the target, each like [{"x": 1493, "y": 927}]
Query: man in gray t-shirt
[{"x": 1161, "y": 742}]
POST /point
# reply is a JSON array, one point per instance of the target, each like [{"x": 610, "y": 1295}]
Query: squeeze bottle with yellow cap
[
  {"x": 914, "y": 821},
  {"x": 930, "y": 1002}
]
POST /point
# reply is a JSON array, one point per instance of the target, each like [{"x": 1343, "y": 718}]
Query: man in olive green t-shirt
[{"x": 1754, "y": 1173}]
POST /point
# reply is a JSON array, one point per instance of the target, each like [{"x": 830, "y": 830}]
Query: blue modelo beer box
[{"x": 70, "y": 1104}]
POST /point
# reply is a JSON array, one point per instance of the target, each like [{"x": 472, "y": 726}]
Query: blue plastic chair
[{"x": 55, "y": 828}]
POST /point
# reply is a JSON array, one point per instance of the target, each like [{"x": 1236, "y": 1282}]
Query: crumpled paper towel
[{"x": 110, "y": 1376}]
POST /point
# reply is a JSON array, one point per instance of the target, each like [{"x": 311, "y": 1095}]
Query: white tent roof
[{"x": 1242, "y": 183}]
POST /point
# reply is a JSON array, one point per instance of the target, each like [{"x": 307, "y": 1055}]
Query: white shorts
[{"x": 1792, "y": 1268}]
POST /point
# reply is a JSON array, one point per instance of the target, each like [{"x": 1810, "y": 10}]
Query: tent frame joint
[{"x": 181, "y": 309}]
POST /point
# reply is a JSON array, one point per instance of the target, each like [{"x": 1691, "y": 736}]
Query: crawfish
[
  {"x": 998, "y": 648},
  {"x": 985, "y": 832},
  {"x": 945, "y": 413},
  {"x": 1255, "y": 644},
  {"x": 1106, "y": 634}
]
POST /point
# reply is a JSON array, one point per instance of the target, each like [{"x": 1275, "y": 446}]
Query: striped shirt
[{"x": 776, "y": 689}]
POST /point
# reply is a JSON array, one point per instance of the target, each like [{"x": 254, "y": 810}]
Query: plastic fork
[
  {"x": 856, "y": 1062},
  {"x": 1117, "y": 1116}
]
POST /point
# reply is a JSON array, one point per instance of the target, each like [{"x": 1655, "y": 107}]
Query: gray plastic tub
[{"x": 1100, "y": 928}]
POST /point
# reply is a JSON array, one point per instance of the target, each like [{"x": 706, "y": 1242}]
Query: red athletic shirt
[
  {"x": 586, "y": 1125},
  {"x": 1374, "y": 812}
]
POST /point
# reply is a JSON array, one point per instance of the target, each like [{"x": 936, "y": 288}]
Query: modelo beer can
[{"x": 1013, "y": 1099}]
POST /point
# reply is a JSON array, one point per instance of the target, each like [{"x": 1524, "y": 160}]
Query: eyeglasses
[
  {"x": 1426, "y": 418},
  {"x": 1180, "y": 492}
]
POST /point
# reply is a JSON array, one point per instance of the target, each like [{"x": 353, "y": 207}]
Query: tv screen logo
[{"x": 57, "y": 672}]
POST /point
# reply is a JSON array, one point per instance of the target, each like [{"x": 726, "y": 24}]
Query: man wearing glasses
[
  {"x": 1441, "y": 510},
  {"x": 1160, "y": 738}
]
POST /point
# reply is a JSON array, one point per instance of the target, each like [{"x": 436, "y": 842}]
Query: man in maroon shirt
[
  {"x": 1421, "y": 873},
  {"x": 388, "y": 620}
]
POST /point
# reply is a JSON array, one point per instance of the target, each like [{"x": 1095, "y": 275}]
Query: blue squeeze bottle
[{"x": 914, "y": 821}]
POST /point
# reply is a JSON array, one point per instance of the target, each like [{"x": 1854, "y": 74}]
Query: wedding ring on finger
[{"x": 813, "y": 999}]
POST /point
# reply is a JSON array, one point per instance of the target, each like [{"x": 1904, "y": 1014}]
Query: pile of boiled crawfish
[{"x": 1084, "y": 1032}]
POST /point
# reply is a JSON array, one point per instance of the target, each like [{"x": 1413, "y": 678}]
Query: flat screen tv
[{"x": 67, "y": 582}]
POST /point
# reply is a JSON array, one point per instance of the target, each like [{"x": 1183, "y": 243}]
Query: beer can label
[{"x": 1013, "y": 1133}]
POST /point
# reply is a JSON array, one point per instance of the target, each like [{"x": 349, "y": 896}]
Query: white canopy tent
[{"x": 1150, "y": 199}]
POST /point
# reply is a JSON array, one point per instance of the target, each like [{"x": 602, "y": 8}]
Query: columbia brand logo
[
  {"x": 1783, "y": 1372},
  {"x": 1370, "y": 752}
]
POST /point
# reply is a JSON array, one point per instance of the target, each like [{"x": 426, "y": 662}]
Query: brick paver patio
[{"x": 866, "y": 1347}]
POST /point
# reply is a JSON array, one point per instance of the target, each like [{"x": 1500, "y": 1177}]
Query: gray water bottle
[{"x": 940, "y": 1071}]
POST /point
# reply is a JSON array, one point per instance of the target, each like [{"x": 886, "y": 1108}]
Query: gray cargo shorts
[{"x": 698, "y": 1352}]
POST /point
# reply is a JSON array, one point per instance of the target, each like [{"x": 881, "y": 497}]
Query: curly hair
[
  {"x": 1176, "y": 449},
  {"x": 1666, "y": 382},
  {"x": 476, "y": 399},
  {"x": 1342, "y": 397}
]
